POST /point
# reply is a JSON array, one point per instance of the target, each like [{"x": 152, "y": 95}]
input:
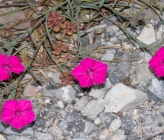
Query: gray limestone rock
[
  {"x": 109, "y": 55},
  {"x": 119, "y": 135},
  {"x": 15, "y": 137},
  {"x": 123, "y": 98},
  {"x": 127, "y": 124},
  {"x": 88, "y": 127},
  {"x": 2, "y": 137},
  {"x": 56, "y": 132},
  {"x": 23, "y": 132},
  {"x": 157, "y": 88},
  {"x": 81, "y": 103},
  {"x": 43, "y": 136},
  {"x": 53, "y": 93},
  {"x": 115, "y": 125},
  {"x": 69, "y": 94},
  {"x": 92, "y": 109},
  {"x": 54, "y": 76},
  {"x": 97, "y": 93}
]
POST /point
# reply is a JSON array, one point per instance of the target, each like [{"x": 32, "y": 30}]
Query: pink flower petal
[
  {"x": 98, "y": 78},
  {"x": 159, "y": 71},
  {"x": 18, "y": 122},
  {"x": 3, "y": 59},
  {"x": 88, "y": 63},
  {"x": 100, "y": 67},
  {"x": 7, "y": 116},
  {"x": 10, "y": 105},
  {"x": 15, "y": 65},
  {"x": 78, "y": 72},
  {"x": 4, "y": 74},
  {"x": 160, "y": 53},
  {"x": 24, "y": 105},
  {"x": 154, "y": 62},
  {"x": 28, "y": 116},
  {"x": 85, "y": 81}
]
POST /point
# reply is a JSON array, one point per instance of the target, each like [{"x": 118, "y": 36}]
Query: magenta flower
[
  {"x": 157, "y": 62},
  {"x": 9, "y": 64},
  {"x": 90, "y": 72},
  {"x": 17, "y": 113}
]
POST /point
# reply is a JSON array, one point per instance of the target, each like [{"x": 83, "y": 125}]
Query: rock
[
  {"x": 69, "y": 94},
  {"x": 140, "y": 72},
  {"x": 54, "y": 76},
  {"x": 73, "y": 117},
  {"x": 63, "y": 124},
  {"x": 25, "y": 131},
  {"x": 102, "y": 102},
  {"x": 107, "y": 85},
  {"x": 84, "y": 40},
  {"x": 114, "y": 40},
  {"x": 97, "y": 93},
  {"x": 157, "y": 88},
  {"x": 53, "y": 93},
  {"x": 123, "y": 99},
  {"x": 147, "y": 35},
  {"x": 112, "y": 28},
  {"x": 79, "y": 139},
  {"x": 2, "y": 128},
  {"x": 106, "y": 118},
  {"x": 124, "y": 66},
  {"x": 117, "y": 76},
  {"x": 115, "y": 125},
  {"x": 60, "y": 104},
  {"x": 56, "y": 132},
  {"x": 97, "y": 121},
  {"x": 47, "y": 101},
  {"x": 81, "y": 103},
  {"x": 80, "y": 136},
  {"x": 104, "y": 134},
  {"x": 92, "y": 109},
  {"x": 43, "y": 136},
  {"x": 88, "y": 127},
  {"x": 30, "y": 90},
  {"x": 15, "y": 137},
  {"x": 39, "y": 122},
  {"x": 119, "y": 135},
  {"x": 132, "y": 136},
  {"x": 79, "y": 125},
  {"x": 112, "y": 68},
  {"x": 2, "y": 137},
  {"x": 109, "y": 55},
  {"x": 58, "y": 93},
  {"x": 127, "y": 124}
]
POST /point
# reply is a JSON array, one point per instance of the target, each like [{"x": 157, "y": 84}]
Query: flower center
[
  {"x": 17, "y": 113},
  {"x": 6, "y": 67},
  {"x": 89, "y": 71}
]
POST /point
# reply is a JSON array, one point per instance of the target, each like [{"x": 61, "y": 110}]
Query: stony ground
[{"x": 129, "y": 106}]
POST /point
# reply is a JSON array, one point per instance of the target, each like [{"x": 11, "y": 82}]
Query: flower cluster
[
  {"x": 17, "y": 113},
  {"x": 157, "y": 62},
  {"x": 59, "y": 47},
  {"x": 67, "y": 78},
  {"x": 9, "y": 64},
  {"x": 90, "y": 72}
]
